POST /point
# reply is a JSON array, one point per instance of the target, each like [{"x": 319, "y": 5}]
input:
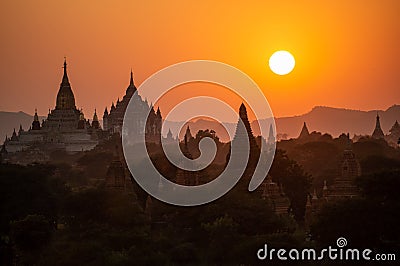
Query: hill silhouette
[
  {"x": 321, "y": 118},
  {"x": 11, "y": 120},
  {"x": 337, "y": 120}
]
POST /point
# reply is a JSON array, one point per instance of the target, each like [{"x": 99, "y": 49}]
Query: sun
[{"x": 281, "y": 62}]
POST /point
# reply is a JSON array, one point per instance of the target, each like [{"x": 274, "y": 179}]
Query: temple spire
[
  {"x": 95, "y": 118},
  {"x": 349, "y": 144},
  {"x": 95, "y": 121},
  {"x": 378, "y": 133},
  {"x": 131, "y": 88},
  {"x": 186, "y": 151},
  {"x": 35, "y": 123},
  {"x": 271, "y": 136},
  {"x": 243, "y": 116},
  {"x": 65, "y": 80},
  {"x": 36, "y": 117},
  {"x": 14, "y": 136},
  {"x": 188, "y": 134},
  {"x": 304, "y": 132},
  {"x": 131, "y": 81},
  {"x": 65, "y": 96}
]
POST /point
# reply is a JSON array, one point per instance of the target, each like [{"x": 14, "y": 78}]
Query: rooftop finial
[
  {"x": 65, "y": 81},
  {"x": 36, "y": 117},
  {"x": 95, "y": 118},
  {"x": 131, "y": 81},
  {"x": 243, "y": 112},
  {"x": 378, "y": 133},
  {"x": 65, "y": 64},
  {"x": 131, "y": 88}
]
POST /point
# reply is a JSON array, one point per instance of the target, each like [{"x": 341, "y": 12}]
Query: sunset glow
[
  {"x": 103, "y": 41},
  {"x": 142, "y": 132}
]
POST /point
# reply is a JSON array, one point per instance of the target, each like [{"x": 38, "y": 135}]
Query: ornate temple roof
[
  {"x": 131, "y": 88},
  {"x": 65, "y": 96},
  {"x": 378, "y": 133}
]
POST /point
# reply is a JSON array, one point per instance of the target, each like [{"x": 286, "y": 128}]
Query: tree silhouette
[{"x": 295, "y": 181}]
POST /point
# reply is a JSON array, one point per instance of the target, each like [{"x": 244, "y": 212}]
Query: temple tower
[
  {"x": 304, "y": 132},
  {"x": 378, "y": 133},
  {"x": 65, "y": 97},
  {"x": 36, "y": 123},
  {"x": 95, "y": 122}
]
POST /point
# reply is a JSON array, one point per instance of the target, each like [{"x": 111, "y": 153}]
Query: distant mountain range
[
  {"x": 334, "y": 121},
  {"x": 322, "y": 119},
  {"x": 11, "y": 120}
]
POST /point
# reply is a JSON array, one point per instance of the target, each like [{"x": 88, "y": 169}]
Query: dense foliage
[{"x": 61, "y": 214}]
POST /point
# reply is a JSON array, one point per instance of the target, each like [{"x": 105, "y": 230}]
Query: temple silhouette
[
  {"x": 65, "y": 128},
  {"x": 378, "y": 132},
  {"x": 113, "y": 120}
]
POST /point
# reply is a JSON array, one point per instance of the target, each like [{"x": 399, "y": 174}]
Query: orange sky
[{"x": 347, "y": 52}]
